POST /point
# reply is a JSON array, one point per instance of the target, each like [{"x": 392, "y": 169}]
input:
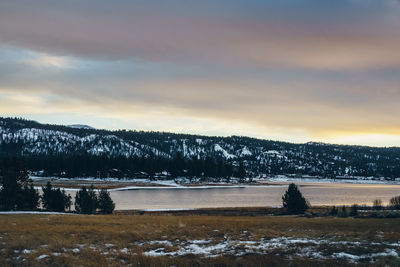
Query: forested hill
[{"x": 80, "y": 150}]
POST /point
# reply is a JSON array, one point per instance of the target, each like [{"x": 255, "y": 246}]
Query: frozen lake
[{"x": 190, "y": 198}]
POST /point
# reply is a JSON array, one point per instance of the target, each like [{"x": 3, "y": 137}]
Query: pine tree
[
  {"x": 80, "y": 200},
  {"x": 93, "y": 201},
  {"x": 354, "y": 210},
  {"x": 29, "y": 198},
  {"x": 395, "y": 202},
  {"x": 377, "y": 204},
  {"x": 86, "y": 200},
  {"x": 17, "y": 191},
  {"x": 106, "y": 204},
  {"x": 343, "y": 213},
  {"x": 334, "y": 211},
  {"x": 241, "y": 173},
  {"x": 67, "y": 201},
  {"x": 294, "y": 201},
  {"x": 47, "y": 196},
  {"x": 55, "y": 199}
]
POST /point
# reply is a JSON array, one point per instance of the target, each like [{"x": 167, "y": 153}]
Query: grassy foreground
[{"x": 165, "y": 240}]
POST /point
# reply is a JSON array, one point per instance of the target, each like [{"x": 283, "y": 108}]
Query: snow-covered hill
[
  {"x": 81, "y": 126},
  {"x": 260, "y": 157}
]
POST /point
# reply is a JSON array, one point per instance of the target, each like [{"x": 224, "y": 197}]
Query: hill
[{"x": 84, "y": 151}]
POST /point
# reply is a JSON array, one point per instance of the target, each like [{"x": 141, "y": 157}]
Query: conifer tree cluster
[
  {"x": 88, "y": 202},
  {"x": 17, "y": 191},
  {"x": 55, "y": 199},
  {"x": 123, "y": 167}
]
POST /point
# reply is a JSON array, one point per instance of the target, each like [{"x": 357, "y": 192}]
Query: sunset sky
[{"x": 287, "y": 70}]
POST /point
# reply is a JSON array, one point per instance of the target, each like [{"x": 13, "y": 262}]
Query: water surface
[{"x": 316, "y": 193}]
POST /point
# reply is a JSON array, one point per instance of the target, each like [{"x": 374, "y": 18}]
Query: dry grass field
[{"x": 167, "y": 240}]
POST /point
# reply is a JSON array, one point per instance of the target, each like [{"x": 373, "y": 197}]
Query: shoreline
[
  {"x": 114, "y": 184},
  {"x": 252, "y": 211}
]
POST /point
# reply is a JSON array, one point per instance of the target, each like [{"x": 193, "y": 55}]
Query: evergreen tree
[
  {"x": 106, "y": 204},
  {"x": 93, "y": 200},
  {"x": 354, "y": 210},
  {"x": 334, "y": 211},
  {"x": 395, "y": 202},
  {"x": 344, "y": 212},
  {"x": 47, "y": 196},
  {"x": 294, "y": 201},
  {"x": 377, "y": 204},
  {"x": 29, "y": 198},
  {"x": 241, "y": 173},
  {"x": 17, "y": 192},
  {"x": 86, "y": 201},
  {"x": 55, "y": 199},
  {"x": 67, "y": 201}
]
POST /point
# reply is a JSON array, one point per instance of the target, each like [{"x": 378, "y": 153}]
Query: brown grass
[{"x": 48, "y": 234}]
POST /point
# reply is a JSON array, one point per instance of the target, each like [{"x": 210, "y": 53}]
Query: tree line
[
  {"x": 122, "y": 167},
  {"x": 18, "y": 193}
]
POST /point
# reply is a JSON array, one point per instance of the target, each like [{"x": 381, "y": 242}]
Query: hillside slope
[{"x": 34, "y": 141}]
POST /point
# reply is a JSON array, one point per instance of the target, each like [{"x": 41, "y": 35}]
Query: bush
[
  {"x": 395, "y": 202},
  {"x": 105, "y": 203},
  {"x": 294, "y": 201},
  {"x": 86, "y": 201}
]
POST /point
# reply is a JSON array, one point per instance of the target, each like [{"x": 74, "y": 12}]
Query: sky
[{"x": 291, "y": 70}]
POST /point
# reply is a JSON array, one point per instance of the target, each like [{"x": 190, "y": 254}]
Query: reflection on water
[{"x": 316, "y": 193}]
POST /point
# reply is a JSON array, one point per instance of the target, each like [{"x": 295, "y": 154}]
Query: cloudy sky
[{"x": 285, "y": 69}]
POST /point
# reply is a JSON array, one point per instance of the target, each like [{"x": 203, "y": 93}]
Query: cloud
[
  {"x": 338, "y": 36},
  {"x": 42, "y": 60},
  {"x": 316, "y": 105},
  {"x": 292, "y": 70}
]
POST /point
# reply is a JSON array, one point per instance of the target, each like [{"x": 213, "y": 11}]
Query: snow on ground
[
  {"x": 191, "y": 187},
  {"x": 299, "y": 247},
  {"x": 282, "y": 178},
  {"x": 35, "y": 212},
  {"x": 285, "y": 247},
  {"x": 225, "y": 153},
  {"x": 177, "y": 209},
  {"x": 124, "y": 250},
  {"x": 245, "y": 152}
]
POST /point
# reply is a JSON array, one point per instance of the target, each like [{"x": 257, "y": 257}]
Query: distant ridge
[
  {"x": 45, "y": 142},
  {"x": 81, "y": 126}
]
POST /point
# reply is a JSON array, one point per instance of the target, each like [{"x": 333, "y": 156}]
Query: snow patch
[
  {"x": 227, "y": 155},
  {"x": 35, "y": 212}
]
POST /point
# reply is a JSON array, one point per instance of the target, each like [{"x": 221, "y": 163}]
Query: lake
[{"x": 190, "y": 198}]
